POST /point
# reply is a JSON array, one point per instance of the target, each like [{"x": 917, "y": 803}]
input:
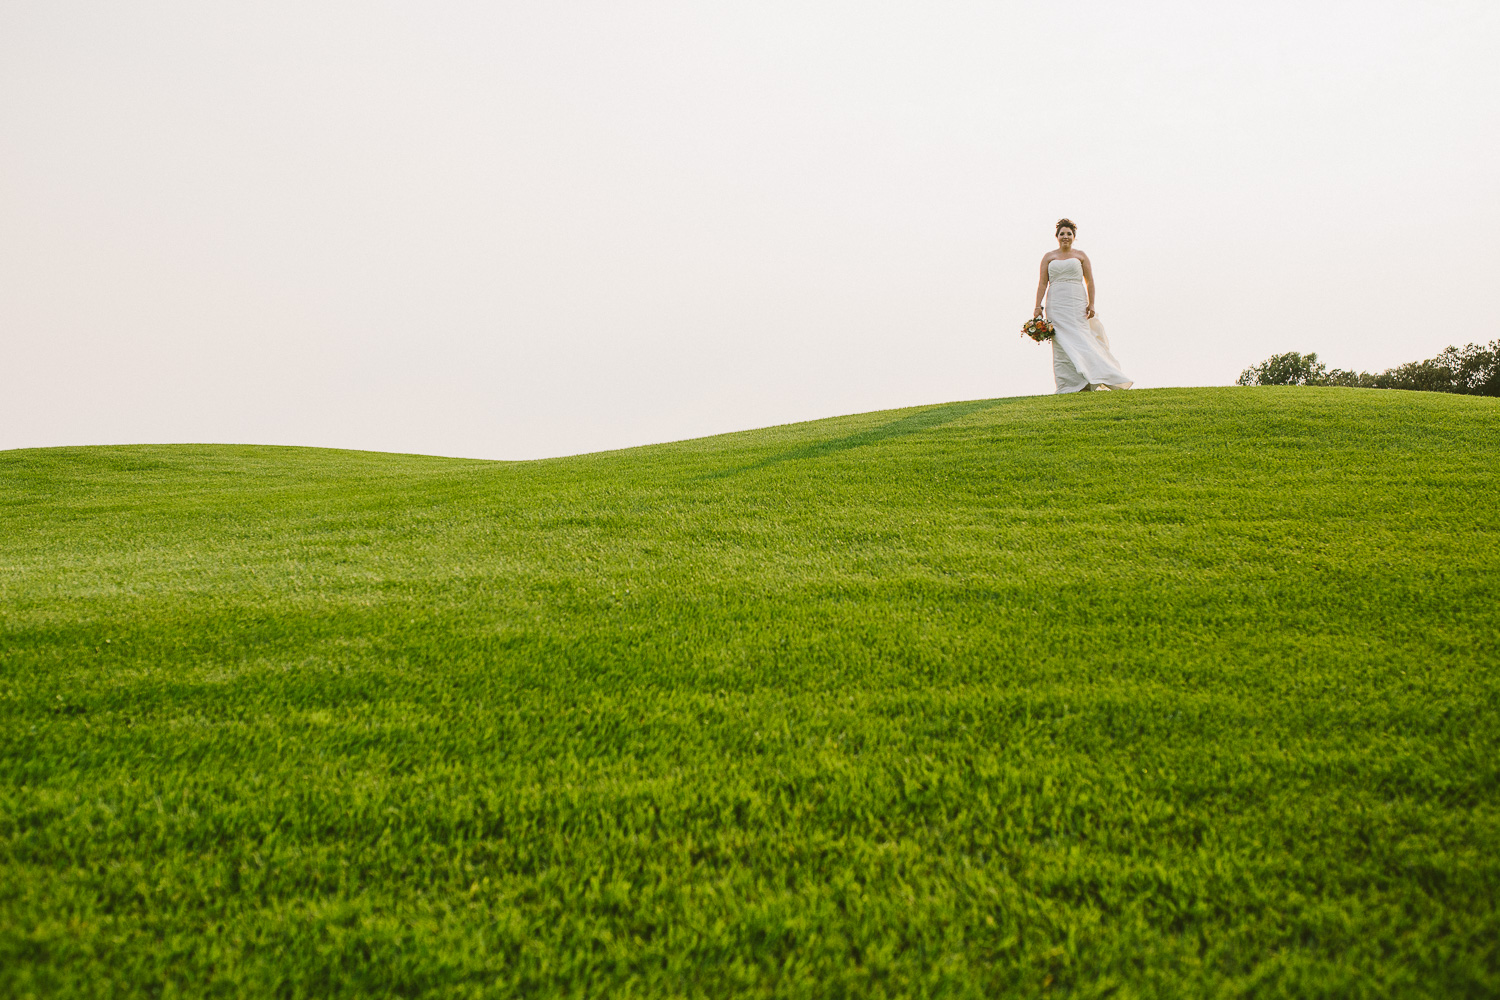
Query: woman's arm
[
  {"x": 1088, "y": 280},
  {"x": 1041, "y": 288}
]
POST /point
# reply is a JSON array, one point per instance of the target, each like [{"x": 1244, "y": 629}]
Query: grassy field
[{"x": 1165, "y": 693}]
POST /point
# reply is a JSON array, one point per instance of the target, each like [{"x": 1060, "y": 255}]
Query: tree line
[{"x": 1473, "y": 370}]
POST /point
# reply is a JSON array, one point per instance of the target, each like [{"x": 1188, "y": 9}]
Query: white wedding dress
[{"x": 1080, "y": 351}]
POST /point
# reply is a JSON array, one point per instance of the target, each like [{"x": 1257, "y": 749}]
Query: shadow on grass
[{"x": 933, "y": 416}]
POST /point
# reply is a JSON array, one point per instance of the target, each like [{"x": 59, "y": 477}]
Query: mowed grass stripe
[{"x": 1163, "y": 693}]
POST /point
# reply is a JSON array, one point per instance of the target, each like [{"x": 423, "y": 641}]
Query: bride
[{"x": 1080, "y": 351}]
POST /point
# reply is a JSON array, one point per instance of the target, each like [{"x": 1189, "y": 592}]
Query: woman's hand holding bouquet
[{"x": 1038, "y": 329}]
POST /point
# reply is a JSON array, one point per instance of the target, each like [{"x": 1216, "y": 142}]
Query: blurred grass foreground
[{"x": 1178, "y": 692}]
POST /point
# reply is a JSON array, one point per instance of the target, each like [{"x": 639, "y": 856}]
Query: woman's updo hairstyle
[{"x": 1065, "y": 224}]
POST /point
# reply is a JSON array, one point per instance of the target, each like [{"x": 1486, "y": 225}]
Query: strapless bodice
[{"x": 1067, "y": 269}]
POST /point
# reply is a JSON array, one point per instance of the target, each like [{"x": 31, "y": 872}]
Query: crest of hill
[{"x": 1103, "y": 429}]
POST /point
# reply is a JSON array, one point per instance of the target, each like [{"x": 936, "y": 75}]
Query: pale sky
[{"x": 522, "y": 229}]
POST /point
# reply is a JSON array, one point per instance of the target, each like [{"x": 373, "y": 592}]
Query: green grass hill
[{"x": 1189, "y": 692}]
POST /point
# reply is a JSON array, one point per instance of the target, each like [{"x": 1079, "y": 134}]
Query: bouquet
[{"x": 1038, "y": 329}]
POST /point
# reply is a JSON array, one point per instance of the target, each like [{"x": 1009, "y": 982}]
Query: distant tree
[
  {"x": 1338, "y": 376},
  {"x": 1290, "y": 368},
  {"x": 1473, "y": 370}
]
